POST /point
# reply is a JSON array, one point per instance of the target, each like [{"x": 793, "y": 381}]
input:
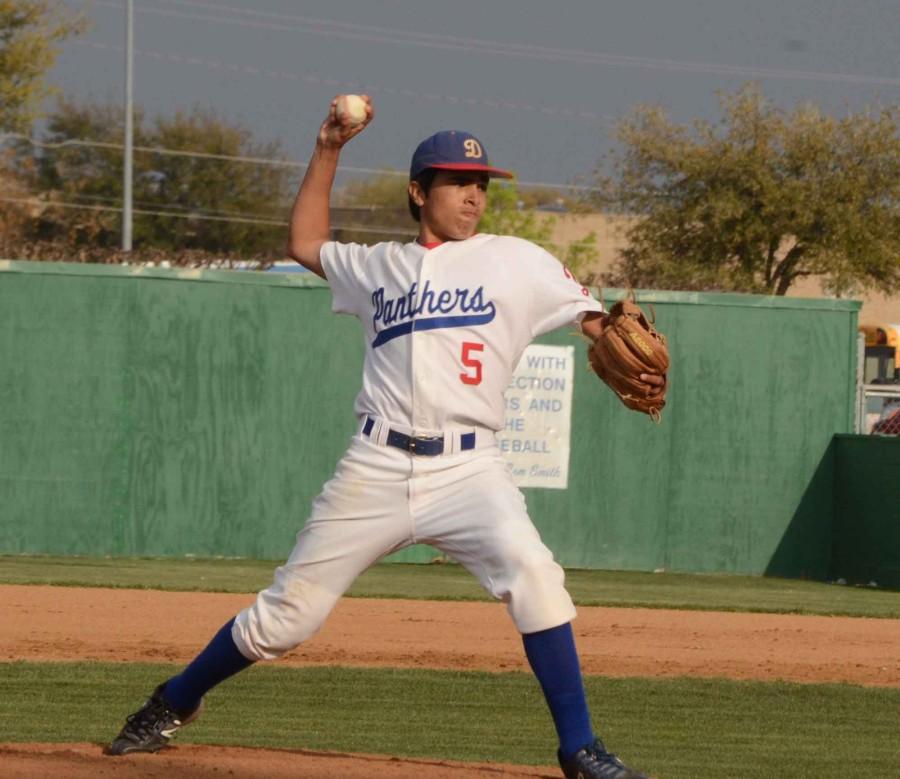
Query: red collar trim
[{"x": 434, "y": 244}]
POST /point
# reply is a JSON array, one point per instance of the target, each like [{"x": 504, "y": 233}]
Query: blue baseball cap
[{"x": 453, "y": 150}]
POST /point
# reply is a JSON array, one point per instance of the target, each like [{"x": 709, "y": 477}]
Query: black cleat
[
  {"x": 594, "y": 762},
  {"x": 152, "y": 726}
]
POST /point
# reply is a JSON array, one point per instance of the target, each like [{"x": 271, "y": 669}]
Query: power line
[
  {"x": 191, "y": 210},
  {"x": 382, "y": 230},
  {"x": 164, "y": 151},
  {"x": 372, "y": 34},
  {"x": 65, "y": 204},
  {"x": 146, "y": 212},
  {"x": 252, "y": 160},
  {"x": 287, "y": 205},
  {"x": 195, "y": 215},
  {"x": 354, "y": 86},
  {"x": 375, "y": 230}
]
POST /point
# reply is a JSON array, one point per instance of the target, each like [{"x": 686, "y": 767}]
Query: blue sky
[{"x": 540, "y": 82}]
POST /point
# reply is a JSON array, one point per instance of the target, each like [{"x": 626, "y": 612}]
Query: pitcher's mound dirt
[
  {"x": 68, "y": 623},
  {"x": 86, "y": 761},
  {"x": 62, "y": 623}
]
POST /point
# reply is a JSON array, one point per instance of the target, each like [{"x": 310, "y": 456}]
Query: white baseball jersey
[{"x": 445, "y": 327}]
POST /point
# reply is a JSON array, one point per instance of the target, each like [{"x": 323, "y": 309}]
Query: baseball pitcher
[{"x": 446, "y": 319}]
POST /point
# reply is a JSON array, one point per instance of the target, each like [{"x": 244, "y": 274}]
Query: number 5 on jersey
[{"x": 473, "y": 375}]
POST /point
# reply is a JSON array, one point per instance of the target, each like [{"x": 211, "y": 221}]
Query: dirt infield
[
  {"x": 85, "y": 761},
  {"x": 67, "y": 624}
]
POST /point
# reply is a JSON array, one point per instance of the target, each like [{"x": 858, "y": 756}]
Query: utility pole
[{"x": 129, "y": 126}]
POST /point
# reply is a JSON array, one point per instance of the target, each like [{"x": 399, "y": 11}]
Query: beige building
[{"x": 876, "y": 309}]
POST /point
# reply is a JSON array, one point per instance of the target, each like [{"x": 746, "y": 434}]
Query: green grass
[
  {"x": 685, "y": 728},
  {"x": 451, "y": 582}
]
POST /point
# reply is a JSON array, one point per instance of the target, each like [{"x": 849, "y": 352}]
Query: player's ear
[{"x": 416, "y": 193}]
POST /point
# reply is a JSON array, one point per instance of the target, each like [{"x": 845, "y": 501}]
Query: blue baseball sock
[
  {"x": 554, "y": 660},
  {"x": 215, "y": 664}
]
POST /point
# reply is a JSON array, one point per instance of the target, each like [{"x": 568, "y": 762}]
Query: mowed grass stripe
[
  {"x": 685, "y": 728},
  {"x": 452, "y": 582}
]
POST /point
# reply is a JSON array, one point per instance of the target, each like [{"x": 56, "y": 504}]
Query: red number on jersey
[{"x": 470, "y": 362}]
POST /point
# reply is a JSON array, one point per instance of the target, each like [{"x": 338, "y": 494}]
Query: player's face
[{"x": 453, "y": 206}]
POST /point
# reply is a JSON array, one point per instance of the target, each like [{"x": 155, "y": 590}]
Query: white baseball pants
[{"x": 382, "y": 499}]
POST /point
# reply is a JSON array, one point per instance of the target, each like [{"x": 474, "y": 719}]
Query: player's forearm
[
  {"x": 310, "y": 218},
  {"x": 592, "y": 324}
]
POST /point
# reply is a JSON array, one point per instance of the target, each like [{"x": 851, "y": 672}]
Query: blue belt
[{"x": 428, "y": 446}]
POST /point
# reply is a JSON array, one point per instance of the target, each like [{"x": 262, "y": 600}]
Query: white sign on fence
[{"x": 535, "y": 438}]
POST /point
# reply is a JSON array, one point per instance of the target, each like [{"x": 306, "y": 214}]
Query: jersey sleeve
[
  {"x": 557, "y": 297},
  {"x": 345, "y": 270}
]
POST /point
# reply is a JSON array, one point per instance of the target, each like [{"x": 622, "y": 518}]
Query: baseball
[{"x": 351, "y": 110}]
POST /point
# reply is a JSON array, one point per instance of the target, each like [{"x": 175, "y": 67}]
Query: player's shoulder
[
  {"x": 380, "y": 246},
  {"x": 521, "y": 251},
  {"x": 511, "y": 244},
  {"x": 380, "y": 249}
]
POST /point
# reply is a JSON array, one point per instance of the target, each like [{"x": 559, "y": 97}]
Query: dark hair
[{"x": 425, "y": 179}]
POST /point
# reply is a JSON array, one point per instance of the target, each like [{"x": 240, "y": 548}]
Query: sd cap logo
[{"x": 473, "y": 148}]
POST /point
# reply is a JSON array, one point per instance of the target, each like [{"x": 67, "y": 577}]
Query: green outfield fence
[
  {"x": 169, "y": 412},
  {"x": 866, "y": 539}
]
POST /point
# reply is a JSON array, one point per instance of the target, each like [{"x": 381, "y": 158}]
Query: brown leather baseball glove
[{"x": 628, "y": 346}]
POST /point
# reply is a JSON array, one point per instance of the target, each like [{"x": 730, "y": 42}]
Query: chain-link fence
[
  {"x": 878, "y": 400},
  {"x": 880, "y": 409}
]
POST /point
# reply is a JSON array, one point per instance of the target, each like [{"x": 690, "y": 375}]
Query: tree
[
  {"x": 231, "y": 205},
  {"x": 85, "y": 179},
  {"x": 29, "y": 32},
  {"x": 199, "y": 199},
  {"x": 13, "y": 202},
  {"x": 504, "y": 216},
  {"x": 373, "y": 209},
  {"x": 759, "y": 200}
]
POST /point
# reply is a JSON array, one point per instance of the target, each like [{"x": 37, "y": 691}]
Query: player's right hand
[{"x": 334, "y": 134}]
